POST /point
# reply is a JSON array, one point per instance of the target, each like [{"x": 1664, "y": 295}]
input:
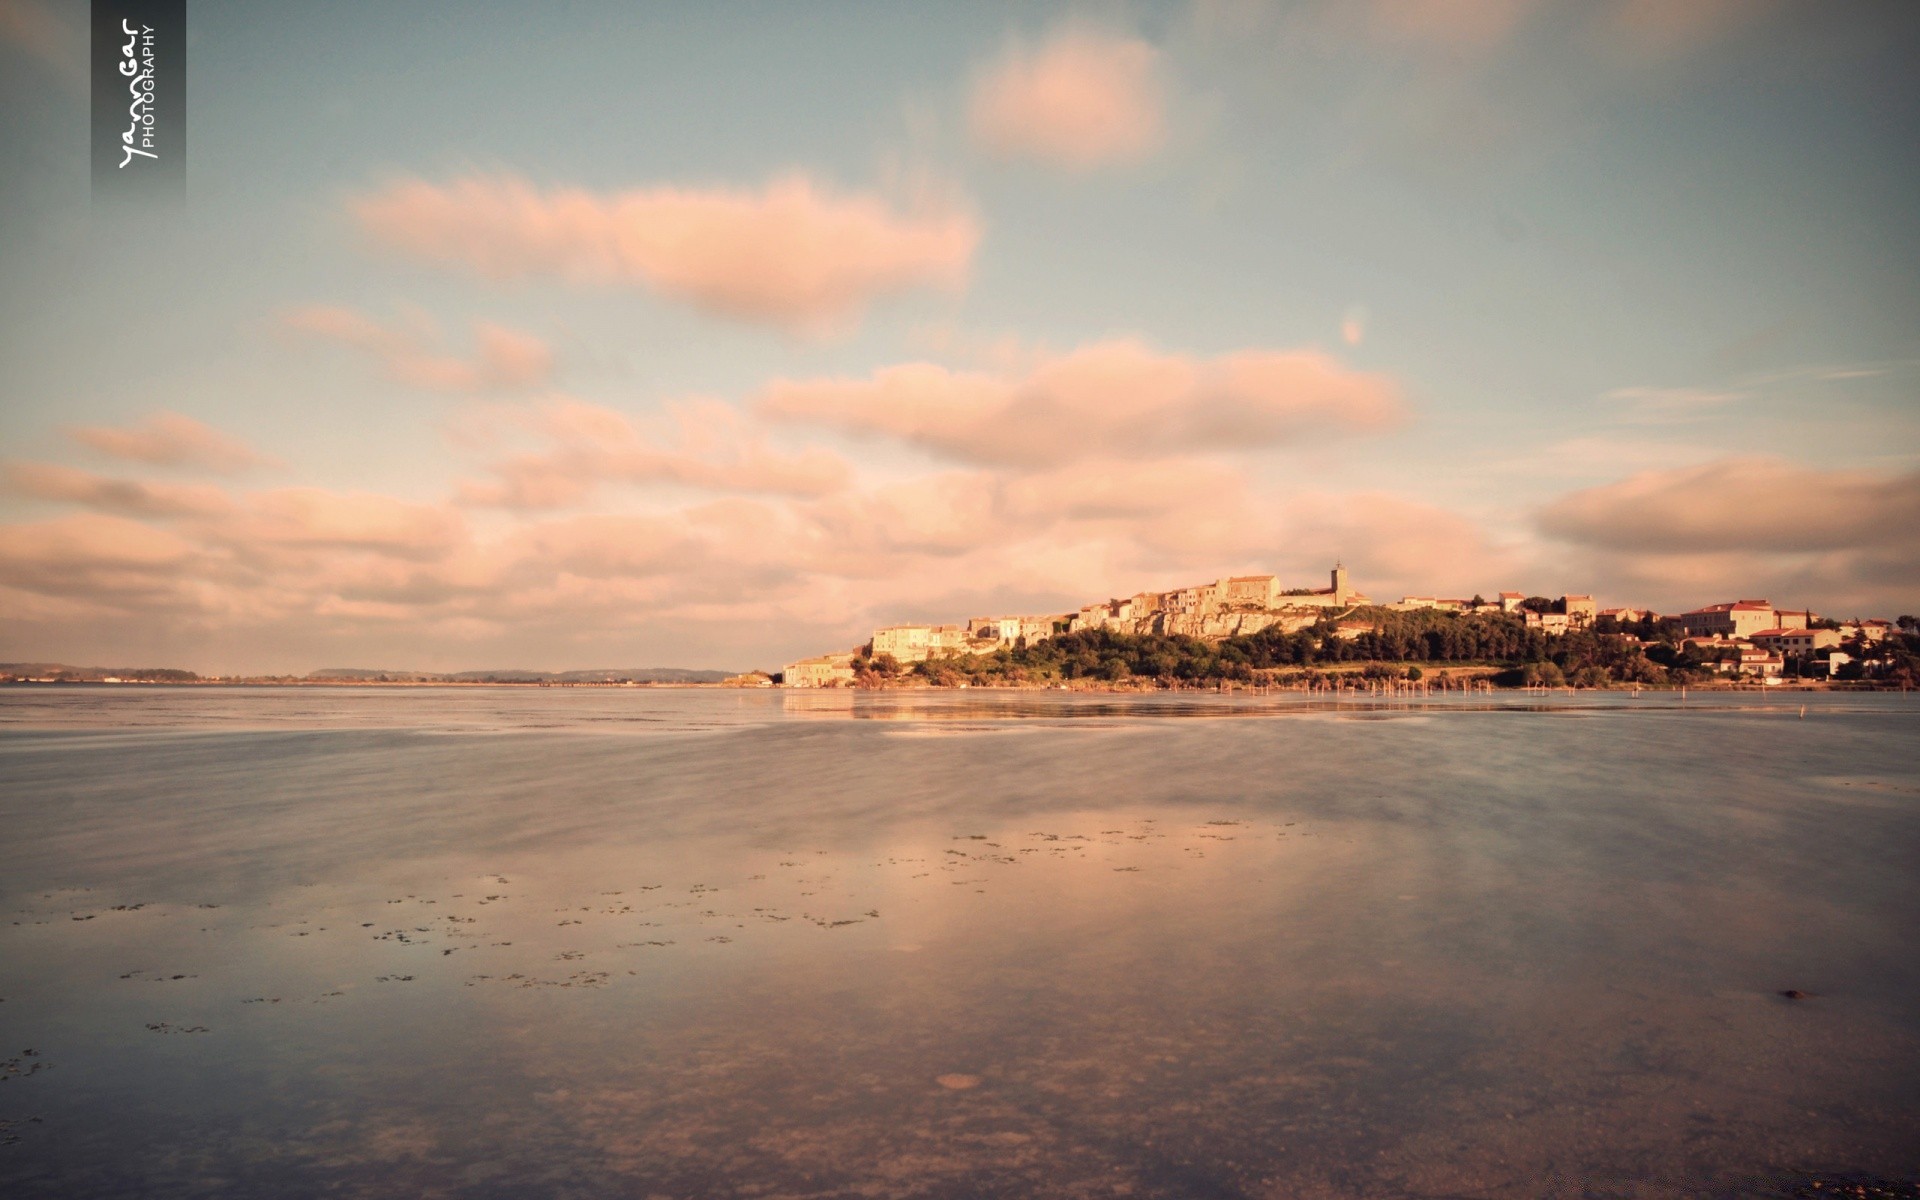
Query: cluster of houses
[
  {"x": 1752, "y": 637},
  {"x": 1749, "y": 637},
  {"x": 1237, "y": 605}
]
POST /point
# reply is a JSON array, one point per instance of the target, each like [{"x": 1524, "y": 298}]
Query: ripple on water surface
[{"x": 780, "y": 945}]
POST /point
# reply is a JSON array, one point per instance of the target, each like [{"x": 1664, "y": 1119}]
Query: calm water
[{"x": 518, "y": 942}]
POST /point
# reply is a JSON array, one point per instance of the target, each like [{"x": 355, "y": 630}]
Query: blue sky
[{"x": 809, "y": 318}]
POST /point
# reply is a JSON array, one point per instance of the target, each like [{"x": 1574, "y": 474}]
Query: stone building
[
  {"x": 1581, "y": 611},
  {"x": 828, "y": 670},
  {"x": 1739, "y": 619}
]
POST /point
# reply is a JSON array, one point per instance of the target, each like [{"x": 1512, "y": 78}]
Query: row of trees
[{"x": 1271, "y": 655}]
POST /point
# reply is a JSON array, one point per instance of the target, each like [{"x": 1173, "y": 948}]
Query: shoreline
[{"x": 1472, "y": 683}]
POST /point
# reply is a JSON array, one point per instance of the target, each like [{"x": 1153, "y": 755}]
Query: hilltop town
[{"x": 1248, "y": 628}]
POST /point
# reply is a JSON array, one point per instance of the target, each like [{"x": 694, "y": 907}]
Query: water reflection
[{"x": 1487, "y": 953}]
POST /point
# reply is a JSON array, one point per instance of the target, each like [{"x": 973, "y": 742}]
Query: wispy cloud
[
  {"x": 1754, "y": 504},
  {"x": 1109, "y": 399},
  {"x": 411, "y": 351},
  {"x": 1673, "y": 405},
  {"x": 1080, "y": 100},
  {"x": 1353, "y": 325},
  {"x": 703, "y": 445},
  {"x": 52, "y": 481},
  {"x": 171, "y": 440}
]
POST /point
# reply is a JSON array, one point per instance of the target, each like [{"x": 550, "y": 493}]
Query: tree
[
  {"x": 1543, "y": 674},
  {"x": 1638, "y": 668},
  {"x": 1591, "y": 676}
]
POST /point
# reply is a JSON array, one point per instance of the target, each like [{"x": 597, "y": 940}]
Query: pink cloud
[
  {"x": 410, "y": 351},
  {"x": 1084, "y": 99},
  {"x": 1353, "y": 326},
  {"x": 49, "y": 481},
  {"x": 1110, "y": 399},
  {"x": 1124, "y": 491},
  {"x": 705, "y": 445},
  {"x": 744, "y": 577},
  {"x": 103, "y": 559},
  {"x": 1751, "y": 504},
  {"x": 603, "y": 546},
  {"x": 169, "y": 439},
  {"x": 941, "y": 515},
  {"x": 792, "y": 254},
  {"x": 1393, "y": 545},
  {"x": 60, "y": 45},
  {"x": 307, "y": 517}
]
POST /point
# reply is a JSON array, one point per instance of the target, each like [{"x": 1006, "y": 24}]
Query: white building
[{"x": 828, "y": 670}]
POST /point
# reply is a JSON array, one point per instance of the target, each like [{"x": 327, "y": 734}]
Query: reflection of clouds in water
[
  {"x": 955, "y": 730},
  {"x": 1456, "y": 953},
  {"x": 829, "y": 702}
]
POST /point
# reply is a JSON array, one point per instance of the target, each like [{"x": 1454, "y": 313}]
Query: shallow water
[{"x": 488, "y": 942}]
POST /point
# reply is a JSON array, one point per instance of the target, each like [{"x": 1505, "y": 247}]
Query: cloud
[
  {"x": 1110, "y": 399},
  {"x": 1353, "y": 326},
  {"x": 171, "y": 440},
  {"x": 1393, "y": 545},
  {"x": 307, "y": 517},
  {"x": 792, "y": 254},
  {"x": 607, "y": 546},
  {"x": 409, "y": 350},
  {"x": 1750, "y": 504},
  {"x": 1084, "y": 99},
  {"x": 103, "y": 559},
  {"x": 49, "y": 481},
  {"x": 1197, "y": 520},
  {"x": 1672, "y": 405},
  {"x": 705, "y": 445},
  {"x": 1108, "y": 491},
  {"x": 61, "y": 46},
  {"x": 1668, "y": 28},
  {"x": 941, "y": 515},
  {"x": 348, "y": 574}
]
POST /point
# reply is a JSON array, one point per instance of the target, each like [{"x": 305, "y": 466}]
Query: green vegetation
[
  {"x": 1495, "y": 645},
  {"x": 1893, "y": 661}
]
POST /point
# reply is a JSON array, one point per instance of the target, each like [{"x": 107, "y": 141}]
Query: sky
[{"x": 612, "y": 334}]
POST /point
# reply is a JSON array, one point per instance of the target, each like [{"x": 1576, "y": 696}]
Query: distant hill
[
  {"x": 66, "y": 673},
  {"x": 361, "y": 673},
  {"x": 522, "y": 675},
  {"x": 94, "y": 674}
]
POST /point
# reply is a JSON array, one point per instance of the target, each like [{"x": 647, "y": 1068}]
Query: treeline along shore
[
  {"x": 1357, "y": 646},
  {"x": 1421, "y": 646}
]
